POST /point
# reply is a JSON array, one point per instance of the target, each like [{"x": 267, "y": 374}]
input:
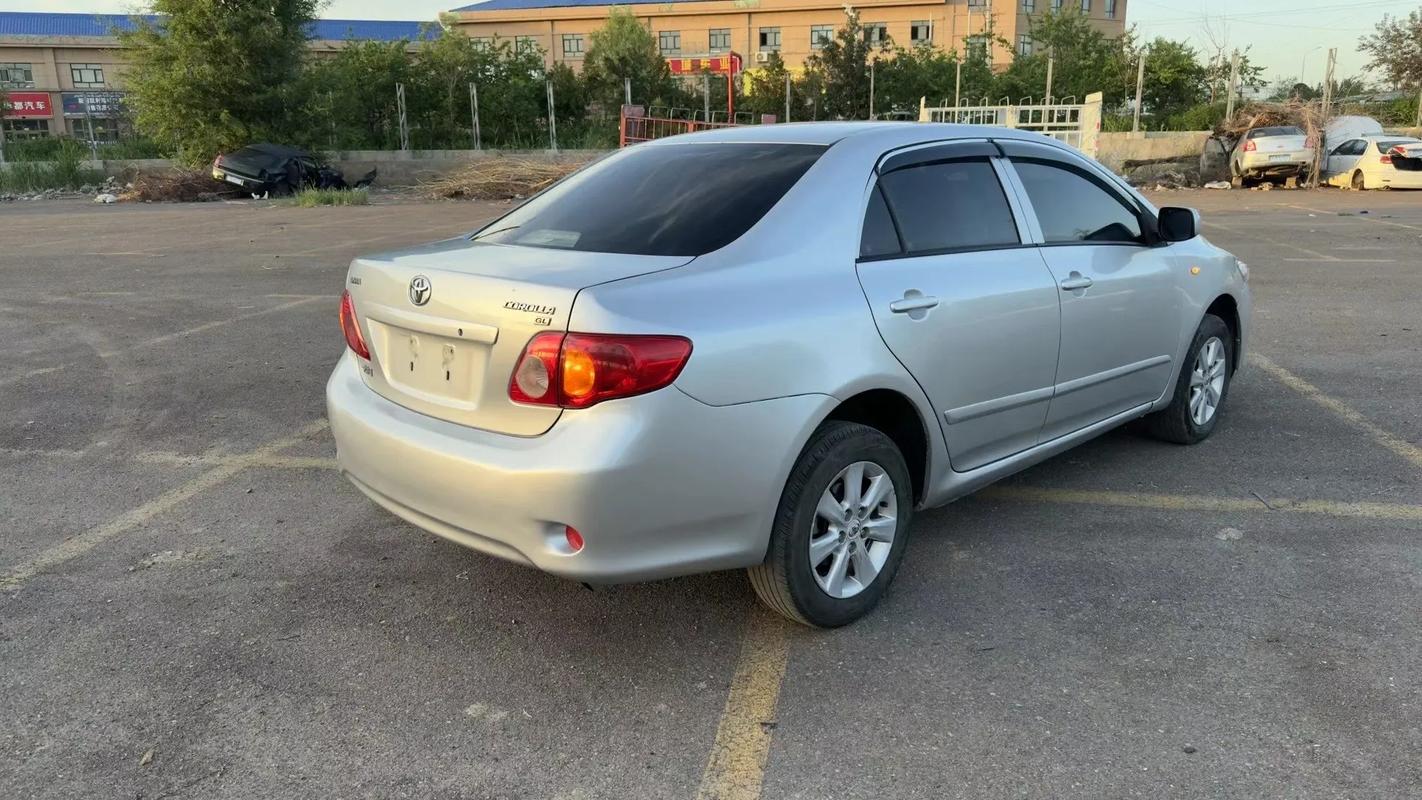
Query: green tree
[
  {"x": 1175, "y": 80},
  {"x": 1085, "y": 60},
  {"x": 624, "y": 49},
  {"x": 351, "y": 96},
  {"x": 217, "y": 74},
  {"x": 842, "y": 69},
  {"x": 1394, "y": 49},
  {"x": 923, "y": 71}
]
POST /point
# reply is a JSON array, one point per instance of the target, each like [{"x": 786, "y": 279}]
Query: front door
[
  {"x": 970, "y": 311},
  {"x": 1119, "y": 304}
]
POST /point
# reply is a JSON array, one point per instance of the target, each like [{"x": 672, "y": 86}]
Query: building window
[
  {"x": 19, "y": 129},
  {"x": 483, "y": 43},
  {"x": 876, "y": 32},
  {"x": 821, "y": 35},
  {"x": 1056, "y": 5},
  {"x": 572, "y": 45},
  {"x": 17, "y": 76},
  {"x": 720, "y": 40},
  {"x": 977, "y": 3},
  {"x": 1110, "y": 9},
  {"x": 769, "y": 39},
  {"x": 1029, "y": 6},
  {"x": 1086, "y": 6},
  {"x": 670, "y": 42},
  {"x": 978, "y": 47},
  {"x": 525, "y": 44},
  {"x": 1024, "y": 44},
  {"x": 87, "y": 76},
  {"x": 921, "y": 31},
  {"x": 104, "y": 129}
]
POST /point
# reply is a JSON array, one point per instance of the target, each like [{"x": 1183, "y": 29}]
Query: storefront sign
[
  {"x": 92, "y": 104},
  {"x": 29, "y": 105}
]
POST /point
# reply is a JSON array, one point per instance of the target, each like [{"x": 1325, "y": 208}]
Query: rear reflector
[
  {"x": 577, "y": 370},
  {"x": 575, "y": 539},
  {"x": 351, "y": 327}
]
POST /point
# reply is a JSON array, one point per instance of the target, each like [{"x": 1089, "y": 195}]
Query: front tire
[
  {"x": 840, "y": 530},
  {"x": 1201, "y": 389}
]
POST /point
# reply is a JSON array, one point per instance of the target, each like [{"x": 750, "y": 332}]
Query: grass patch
[
  {"x": 65, "y": 169},
  {"x": 311, "y": 198}
]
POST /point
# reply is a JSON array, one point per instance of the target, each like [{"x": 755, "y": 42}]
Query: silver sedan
[{"x": 767, "y": 347}]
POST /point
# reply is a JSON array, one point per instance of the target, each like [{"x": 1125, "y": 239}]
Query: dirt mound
[
  {"x": 178, "y": 186},
  {"x": 500, "y": 179}
]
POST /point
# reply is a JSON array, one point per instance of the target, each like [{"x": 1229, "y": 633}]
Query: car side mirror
[{"x": 1178, "y": 224}]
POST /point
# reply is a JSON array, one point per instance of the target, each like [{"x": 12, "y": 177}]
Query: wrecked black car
[{"x": 278, "y": 170}]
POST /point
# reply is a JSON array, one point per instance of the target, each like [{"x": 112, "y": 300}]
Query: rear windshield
[
  {"x": 1286, "y": 130},
  {"x": 1388, "y": 144},
  {"x": 659, "y": 200}
]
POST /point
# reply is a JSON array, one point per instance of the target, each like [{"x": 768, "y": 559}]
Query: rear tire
[
  {"x": 1358, "y": 182},
  {"x": 1201, "y": 389},
  {"x": 848, "y": 492}
]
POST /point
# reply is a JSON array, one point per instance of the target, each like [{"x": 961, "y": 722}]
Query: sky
[{"x": 1284, "y": 36}]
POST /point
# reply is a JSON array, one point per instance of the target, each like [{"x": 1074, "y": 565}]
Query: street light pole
[{"x": 1303, "y": 64}]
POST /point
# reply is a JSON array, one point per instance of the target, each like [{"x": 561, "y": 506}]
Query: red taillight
[
  {"x": 351, "y": 328},
  {"x": 575, "y": 539},
  {"x": 577, "y": 370},
  {"x": 1310, "y": 141},
  {"x": 1385, "y": 159},
  {"x": 1249, "y": 146}
]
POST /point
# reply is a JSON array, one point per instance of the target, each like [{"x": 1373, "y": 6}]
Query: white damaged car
[{"x": 1376, "y": 161}]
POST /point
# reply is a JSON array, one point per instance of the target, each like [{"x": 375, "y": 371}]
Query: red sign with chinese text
[
  {"x": 730, "y": 64},
  {"x": 29, "y": 105}
]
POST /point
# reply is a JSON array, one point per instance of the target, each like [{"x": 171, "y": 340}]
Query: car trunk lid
[
  {"x": 1281, "y": 144},
  {"x": 446, "y": 323}
]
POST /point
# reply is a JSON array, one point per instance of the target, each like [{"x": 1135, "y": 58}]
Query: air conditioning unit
[{"x": 762, "y": 57}]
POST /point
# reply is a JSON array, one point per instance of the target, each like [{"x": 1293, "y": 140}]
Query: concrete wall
[{"x": 1115, "y": 149}]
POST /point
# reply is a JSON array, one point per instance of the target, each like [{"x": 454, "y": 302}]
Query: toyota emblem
[{"x": 419, "y": 290}]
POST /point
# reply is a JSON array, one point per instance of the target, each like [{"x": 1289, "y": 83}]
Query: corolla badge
[{"x": 420, "y": 290}]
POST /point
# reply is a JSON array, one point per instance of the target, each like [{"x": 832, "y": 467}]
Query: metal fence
[{"x": 1076, "y": 124}]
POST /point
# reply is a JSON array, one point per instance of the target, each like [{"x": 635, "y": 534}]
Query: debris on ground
[
  {"x": 1269, "y": 115},
  {"x": 1217, "y": 185},
  {"x": 106, "y": 198},
  {"x": 178, "y": 186},
  {"x": 500, "y": 179}
]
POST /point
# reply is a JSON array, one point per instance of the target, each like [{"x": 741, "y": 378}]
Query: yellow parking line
[
  {"x": 82, "y": 543},
  {"x": 736, "y": 767},
  {"x": 1184, "y": 502},
  {"x": 1391, "y": 441}
]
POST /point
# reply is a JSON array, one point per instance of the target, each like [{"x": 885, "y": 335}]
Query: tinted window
[
  {"x": 879, "y": 237},
  {"x": 1073, "y": 208},
  {"x": 1388, "y": 144},
  {"x": 952, "y": 206},
  {"x": 659, "y": 200},
  {"x": 1286, "y": 130}
]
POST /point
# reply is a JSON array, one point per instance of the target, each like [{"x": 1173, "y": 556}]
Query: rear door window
[
  {"x": 659, "y": 200},
  {"x": 957, "y": 205},
  {"x": 879, "y": 237},
  {"x": 1074, "y": 209}
]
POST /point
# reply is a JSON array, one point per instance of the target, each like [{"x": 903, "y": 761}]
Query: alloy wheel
[
  {"x": 1207, "y": 380},
  {"x": 854, "y": 527}
]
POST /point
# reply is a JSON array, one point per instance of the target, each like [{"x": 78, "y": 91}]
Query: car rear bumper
[
  {"x": 1288, "y": 163},
  {"x": 658, "y": 485},
  {"x": 1401, "y": 179}
]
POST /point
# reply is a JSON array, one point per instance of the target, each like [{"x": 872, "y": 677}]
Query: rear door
[
  {"x": 967, "y": 307},
  {"x": 1120, "y": 309},
  {"x": 1345, "y": 156}
]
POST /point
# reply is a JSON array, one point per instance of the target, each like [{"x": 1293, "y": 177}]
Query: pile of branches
[
  {"x": 500, "y": 179},
  {"x": 1260, "y": 115},
  {"x": 178, "y": 186}
]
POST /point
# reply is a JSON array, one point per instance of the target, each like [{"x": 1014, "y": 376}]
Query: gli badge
[{"x": 420, "y": 290}]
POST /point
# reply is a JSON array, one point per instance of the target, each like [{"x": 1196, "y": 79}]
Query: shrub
[{"x": 311, "y": 198}]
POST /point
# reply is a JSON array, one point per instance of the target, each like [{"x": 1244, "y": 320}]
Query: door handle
[
  {"x": 915, "y": 303},
  {"x": 1075, "y": 281}
]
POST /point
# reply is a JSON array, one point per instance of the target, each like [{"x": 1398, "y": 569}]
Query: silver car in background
[
  {"x": 1283, "y": 151},
  {"x": 766, "y": 347}
]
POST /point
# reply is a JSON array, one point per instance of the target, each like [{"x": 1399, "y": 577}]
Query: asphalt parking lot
[{"x": 193, "y": 603}]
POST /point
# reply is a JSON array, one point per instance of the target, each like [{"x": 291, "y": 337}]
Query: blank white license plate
[
  {"x": 235, "y": 179},
  {"x": 1282, "y": 157}
]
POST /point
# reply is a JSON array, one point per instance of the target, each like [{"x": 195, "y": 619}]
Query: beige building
[
  {"x": 755, "y": 28},
  {"x": 63, "y": 73}
]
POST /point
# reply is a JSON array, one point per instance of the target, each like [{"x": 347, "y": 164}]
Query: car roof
[{"x": 890, "y": 134}]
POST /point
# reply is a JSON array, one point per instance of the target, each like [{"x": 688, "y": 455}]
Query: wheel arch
[
  {"x": 1227, "y": 308},
  {"x": 895, "y": 415}
]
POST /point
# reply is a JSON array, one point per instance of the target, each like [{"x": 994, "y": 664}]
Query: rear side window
[
  {"x": 659, "y": 200},
  {"x": 879, "y": 237},
  {"x": 1072, "y": 208},
  {"x": 1384, "y": 146},
  {"x": 958, "y": 205}
]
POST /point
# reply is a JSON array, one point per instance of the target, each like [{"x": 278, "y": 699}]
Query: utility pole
[
  {"x": 552, "y": 119},
  {"x": 474, "y": 114},
  {"x": 871, "y": 90},
  {"x": 1140, "y": 90},
  {"x": 1051, "y": 67},
  {"x": 1233, "y": 78},
  {"x": 1325, "y": 111},
  {"x": 706, "y": 95},
  {"x": 1417, "y": 124},
  {"x": 787, "y": 96},
  {"x": 958, "y": 87},
  {"x": 627, "y": 91}
]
